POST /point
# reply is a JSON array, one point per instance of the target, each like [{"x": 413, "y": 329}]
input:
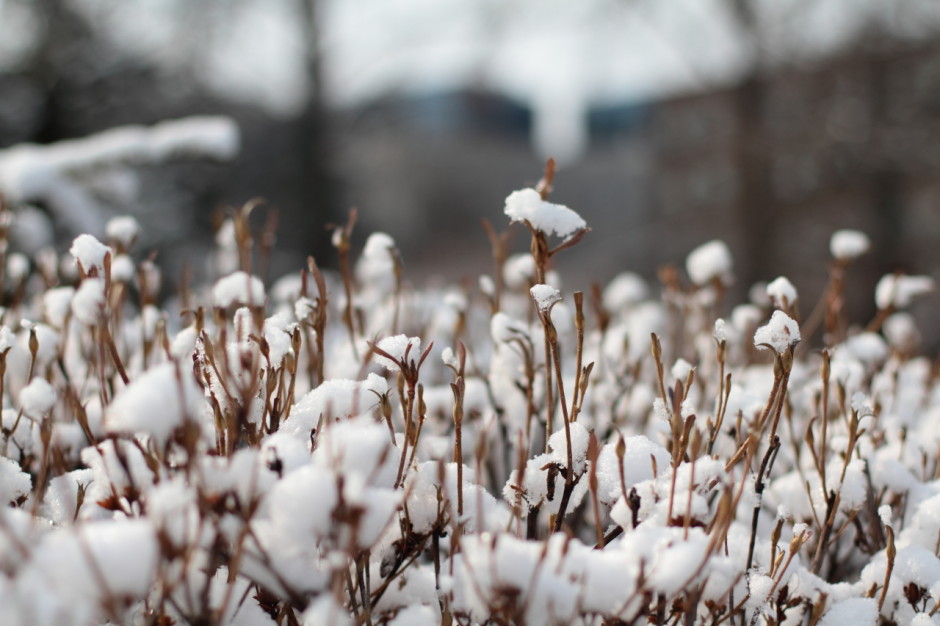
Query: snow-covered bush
[{"x": 349, "y": 449}]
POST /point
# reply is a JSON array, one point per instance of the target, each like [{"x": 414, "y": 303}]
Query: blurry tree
[{"x": 93, "y": 64}]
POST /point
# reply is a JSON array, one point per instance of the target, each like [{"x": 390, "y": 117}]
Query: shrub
[{"x": 345, "y": 448}]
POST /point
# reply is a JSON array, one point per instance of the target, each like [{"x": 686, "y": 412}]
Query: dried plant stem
[{"x": 458, "y": 389}]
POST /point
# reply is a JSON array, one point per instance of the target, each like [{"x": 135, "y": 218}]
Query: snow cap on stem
[
  {"x": 401, "y": 348},
  {"x": 846, "y": 245},
  {"x": 898, "y": 290},
  {"x": 545, "y": 297},
  {"x": 90, "y": 253},
  {"x": 527, "y": 205},
  {"x": 779, "y": 334},
  {"x": 710, "y": 261}
]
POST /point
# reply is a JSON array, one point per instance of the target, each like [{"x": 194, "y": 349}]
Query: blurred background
[{"x": 766, "y": 123}]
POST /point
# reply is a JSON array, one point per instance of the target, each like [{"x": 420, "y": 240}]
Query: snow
[
  {"x": 155, "y": 404},
  {"x": 519, "y": 271},
  {"x": 884, "y": 513},
  {"x": 624, "y": 290},
  {"x": 779, "y": 334},
  {"x": 14, "y": 483},
  {"x": 122, "y": 269},
  {"x": 901, "y": 331},
  {"x": 401, "y": 348},
  {"x": 31, "y": 172},
  {"x": 681, "y": 369},
  {"x": 782, "y": 292},
  {"x": 721, "y": 330},
  {"x": 504, "y": 328},
  {"x": 300, "y": 473},
  {"x": 416, "y": 615},
  {"x": 376, "y": 264},
  {"x": 855, "y": 611},
  {"x": 37, "y": 398},
  {"x": 56, "y": 305},
  {"x": 17, "y": 267},
  {"x": 335, "y": 398},
  {"x": 709, "y": 262},
  {"x": 88, "y": 302},
  {"x": 846, "y": 245},
  {"x": 899, "y": 290},
  {"x": 325, "y": 611},
  {"x": 238, "y": 288},
  {"x": 6, "y": 339},
  {"x": 90, "y": 253},
  {"x": 527, "y": 205},
  {"x": 123, "y": 229},
  {"x": 545, "y": 297}
]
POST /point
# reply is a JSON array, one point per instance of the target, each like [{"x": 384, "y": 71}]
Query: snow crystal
[
  {"x": 238, "y": 288},
  {"x": 152, "y": 405},
  {"x": 90, "y": 253},
  {"x": 898, "y": 290},
  {"x": 400, "y": 348},
  {"x": 781, "y": 291},
  {"x": 89, "y": 301},
  {"x": 527, "y": 205},
  {"x": 846, "y": 245},
  {"x": 855, "y": 611},
  {"x": 545, "y": 297},
  {"x": 123, "y": 229},
  {"x": 37, "y": 398},
  {"x": 709, "y": 261},
  {"x": 779, "y": 334}
]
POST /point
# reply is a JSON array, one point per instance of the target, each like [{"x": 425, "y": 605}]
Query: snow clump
[
  {"x": 238, "y": 288},
  {"x": 846, "y": 245},
  {"x": 709, "y": 262},
  {"x": 527, "y": 205},
  {"x": 779, "y": 334}
]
